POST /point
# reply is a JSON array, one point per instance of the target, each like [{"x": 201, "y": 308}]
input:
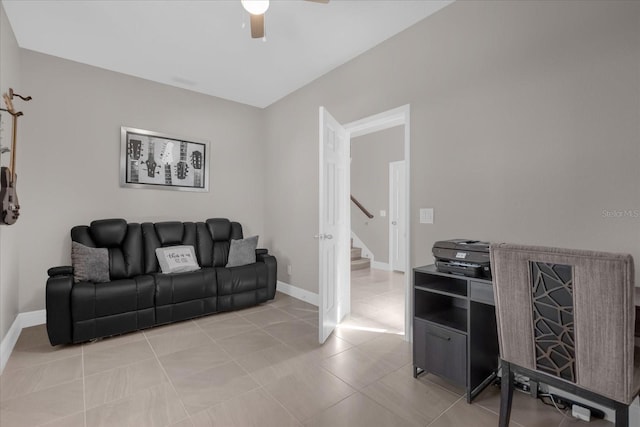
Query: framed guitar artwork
[{"x": 155, "y": 160}]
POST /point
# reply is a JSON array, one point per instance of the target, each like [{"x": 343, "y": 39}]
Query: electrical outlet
[
  {"x": 289, "y": 269},
  {"x": 581, "y": 413}
]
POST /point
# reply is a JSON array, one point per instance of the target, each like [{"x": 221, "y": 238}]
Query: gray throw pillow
[
  {"x": 177, "y": 259},
  {"x": 89, "y": 264},
  {"x": 242, "y": 252}
]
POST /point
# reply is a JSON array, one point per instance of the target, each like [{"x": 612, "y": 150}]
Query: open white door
[
  {"x": 397, "y": 226},
  {"x": 334, "y": 225}
]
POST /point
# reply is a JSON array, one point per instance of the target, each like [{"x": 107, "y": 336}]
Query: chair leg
[
  {"x": 622, "y": 416},
  {"x": 506, "y": 394}
]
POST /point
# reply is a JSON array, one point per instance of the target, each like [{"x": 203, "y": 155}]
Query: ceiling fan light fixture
[{"x": 255, "y": 7}]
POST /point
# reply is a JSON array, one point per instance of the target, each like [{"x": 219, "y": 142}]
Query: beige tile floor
[{"x": 256, "y": 367}]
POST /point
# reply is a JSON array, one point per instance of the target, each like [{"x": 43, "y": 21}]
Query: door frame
[
  {"x": 392, "y": 165},
  {"x": 399, "y": 116}
]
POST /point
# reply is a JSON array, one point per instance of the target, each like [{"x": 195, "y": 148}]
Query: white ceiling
[{"x": 201, "y": 45}]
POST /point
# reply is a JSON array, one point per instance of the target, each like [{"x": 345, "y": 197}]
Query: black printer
[{"x": 464, "y": 257}]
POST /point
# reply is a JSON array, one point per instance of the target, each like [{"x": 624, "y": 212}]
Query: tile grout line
[
  {"x": 445, "y": 411},
  {"x": 260, "y": 386},
  {"x": 510, "y": 421},
  {"x": 184, "y": 408},
  {"x": 232, "y": 359}
]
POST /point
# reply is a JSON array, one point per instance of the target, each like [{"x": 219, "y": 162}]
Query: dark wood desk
[{"x": 454, "y": 329}]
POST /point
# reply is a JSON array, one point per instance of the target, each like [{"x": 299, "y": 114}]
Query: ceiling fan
[{"x": 257, "y": 9}]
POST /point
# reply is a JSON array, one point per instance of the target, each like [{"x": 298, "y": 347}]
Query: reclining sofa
[{"x": 138, "y": 295}]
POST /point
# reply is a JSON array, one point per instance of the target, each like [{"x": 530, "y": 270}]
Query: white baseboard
[
  {"x": 381, "y": 266},
  {"x": 23, "y": 320},
  {"x": 297, "y": 293},
  {"x": 9, "y": 341},
  {"x": 33, "y": 318}
]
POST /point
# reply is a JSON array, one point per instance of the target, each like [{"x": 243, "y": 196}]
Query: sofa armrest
[
  {"x": 261, "y": 252},
  {"x": 58, "y": 302},
  {"x": 64, "y": 270},
  {"x": 272, "y": 271}
]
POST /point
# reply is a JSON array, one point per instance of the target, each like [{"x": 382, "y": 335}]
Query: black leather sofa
[{"x": 138, "y": 294}]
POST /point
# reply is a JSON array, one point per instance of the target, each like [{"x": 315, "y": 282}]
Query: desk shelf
[{"x": 453, "y": 318}]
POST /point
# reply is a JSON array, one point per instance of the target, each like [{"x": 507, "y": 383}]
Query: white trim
[
  {"x": 385, "y": 120},
  {"x": 357, "y": 243},
  {"x": 23, "y": 320},
  {"x": 33, "y": 318},
  {"x": 381, "y": 265},
  {"x": 9, "y": 341},
  {"x": 298, "y": 293},
  {"x": 377, "y": 122}
]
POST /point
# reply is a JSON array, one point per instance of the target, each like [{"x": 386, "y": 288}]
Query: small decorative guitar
[
  {"x": 151, "y": 161},
  {"x": 167, "y": 159},
  {"x": 182, "y": 166},
  {"x": 135, "y": 149},
  {"x": 196, "y": 162},
  {"x": 10, "y": 209}
]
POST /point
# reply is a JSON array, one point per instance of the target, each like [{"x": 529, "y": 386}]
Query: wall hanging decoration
[
  {"x": 155, "y": 160},
  {"x": 9, "y": 205}
]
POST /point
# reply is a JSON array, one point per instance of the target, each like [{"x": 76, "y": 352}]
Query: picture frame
[{"x": 155, "y": 160}]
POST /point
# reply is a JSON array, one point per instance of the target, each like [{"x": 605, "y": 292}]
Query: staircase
[{"x": 357, "y": 262}]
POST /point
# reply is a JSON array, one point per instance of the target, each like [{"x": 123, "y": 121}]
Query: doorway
[{"x": 341, "y": 289}]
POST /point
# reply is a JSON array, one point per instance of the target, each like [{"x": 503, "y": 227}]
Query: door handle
[
  {"x": 323, "y": 236},
  {"x": 439, "y": 336},
  {"x": 394, "y": 222}
]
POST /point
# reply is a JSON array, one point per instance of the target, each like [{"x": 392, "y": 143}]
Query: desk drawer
[
  {"x": 440, "y": 351},
  {"x": 481, "y": 292}
]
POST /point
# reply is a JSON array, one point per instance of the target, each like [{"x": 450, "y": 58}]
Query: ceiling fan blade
[{"x": 257, "y": 26}]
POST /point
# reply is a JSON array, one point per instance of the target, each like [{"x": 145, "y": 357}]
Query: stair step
[
  {"x": 360, "y": 264},
  {"x": 356, "y": 253}
]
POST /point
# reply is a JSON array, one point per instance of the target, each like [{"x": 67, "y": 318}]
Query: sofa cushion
[
  {"x": 222, "y": 231},
  {"x": 92, "y": 300},
  {"x": 242, "y": 252},
  {"x": 89, "y": 264},
  {"x": 181, "y": 296},
  {"x": 180, "y": 287},
  {"x": 165, "y": 234},
  {"x": 123, "y": 241},
  {"x": 241, "y": 279},
  {"x": 177, "y": 259}
]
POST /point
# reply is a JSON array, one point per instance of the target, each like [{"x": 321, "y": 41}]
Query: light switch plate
[
  {"x": 383, "y": 214},
  {"x": 426, "y": 216}
]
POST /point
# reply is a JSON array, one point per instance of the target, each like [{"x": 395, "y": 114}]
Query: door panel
[
  {"x": 397, "y": 228},
  {"x": 333, "y": 236}
]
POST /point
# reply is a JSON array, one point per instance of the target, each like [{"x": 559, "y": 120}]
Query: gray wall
[
  {"x": 9, "y": 274},
  {"x": 370, "y": 158},
  {"x": 70, "y": 153},
  {"x": 524, "y": 128}
]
